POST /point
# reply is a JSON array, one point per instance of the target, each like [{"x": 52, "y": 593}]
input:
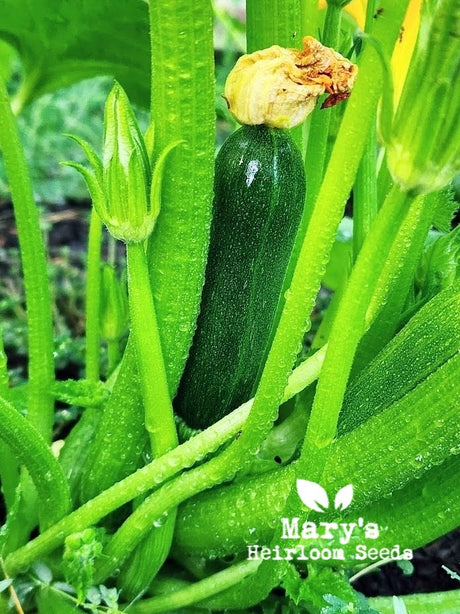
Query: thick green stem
[
  {"x": 152, "y": 475},
  {"x": 365, "y": 193},
  {"x": 9, "y": 474},
  {"x": 365, "y": 198},
  {"x": 158, "y": 411},
  {"x": 441, "y": 603},
  {"x": 332, "y": 21},
  {"x": 273, "y": 22},
  {"x": 309, "y": 17},
  {"x": 198, "y": 591},
  {"x": 93, "y": 297},
  {"x": 315, "y": 158},
  {"x": 347, "y": 329},
  {"x": 159, "y": 419},
  {"x": 386, "y": 315},
  {"x": 182, "y": 109},
  {"x": 30, "y": 449},
  {"x": 36, "y": 283}
]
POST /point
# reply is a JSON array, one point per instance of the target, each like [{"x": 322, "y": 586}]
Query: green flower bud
[
  {"x": 126, "y": 173},
  {"x": 423, "y": 150},
  {"x": 124, "y": 189},
  {"x": 114, "y": 311}
]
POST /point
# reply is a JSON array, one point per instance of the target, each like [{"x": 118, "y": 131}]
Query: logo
[
  {"x": 308, "y": 540},
  {"x": 315, "y": 497}
]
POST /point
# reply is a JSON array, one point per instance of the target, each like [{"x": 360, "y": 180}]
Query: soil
[{"x": 428, "y": 575}]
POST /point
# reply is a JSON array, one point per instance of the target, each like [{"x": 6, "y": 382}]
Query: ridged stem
[
  {"x": 182, "y": 109},
  {"x": 197, "y": 591},
  {"x": 40, "y": 403},
  {"x": 347, "y": 329},
  {"x": 93, "y": 297},
  {"x": 29, "y": 449},
  {"x": 275, "y": 22},
  {"x": 420, "y": 603},
  {"x": 155, "y": 473},
  {"x": 315, "y": 158},
  {"x": 159, "y": 420}
]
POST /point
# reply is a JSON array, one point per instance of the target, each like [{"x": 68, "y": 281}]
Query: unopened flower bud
[
  {"x": 126, "y": 172},
  {"x": 423, "y": 151},
  {"x": 125, "y": 190},
  {"x": 279, "y": 87}
]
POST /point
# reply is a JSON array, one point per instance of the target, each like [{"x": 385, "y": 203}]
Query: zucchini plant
[{"x": 237, "y": 457}]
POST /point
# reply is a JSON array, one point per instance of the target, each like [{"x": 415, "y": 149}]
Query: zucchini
[{"x": 259, "y": 194}]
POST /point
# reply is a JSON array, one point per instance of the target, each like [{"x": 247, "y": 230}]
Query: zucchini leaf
[{"x": 63, "y": 42}]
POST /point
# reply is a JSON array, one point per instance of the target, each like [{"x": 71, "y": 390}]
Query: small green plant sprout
[{"x": 423, "y": 150}]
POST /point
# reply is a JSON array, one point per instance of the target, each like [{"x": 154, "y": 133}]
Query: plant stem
[
  {"x": 272, "y": 22},
  {"x": 332, "y": 21},
  {"x": 93, "y": 297},
  {"x": 309, "y": 17},
  {"x": 315, "y": 158},
  {"x": 365, "y": 193},
  {"x": 365, "y": 199},
  {"x": 39, "y": 315},
  {"x": 148, "y": 477},
  {"x": 198, "y": 591},
  {"x": 159, "y": 418},
  {"x": 347, "y": 329},
  {"x": 9, "y": 473},
  {"x": 385, "y": 315},
  {"x": 182, "y": 109},
  {"x": 441, "y": 603},
  {"x": 29, "y": 449}
]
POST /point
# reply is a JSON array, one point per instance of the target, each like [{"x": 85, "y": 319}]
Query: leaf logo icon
[
  {"x": 344, "y": 497},
  {"x": 313, "y": 495}
]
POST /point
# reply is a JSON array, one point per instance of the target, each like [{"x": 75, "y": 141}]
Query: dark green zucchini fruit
[{"x": 259, "y": 195}]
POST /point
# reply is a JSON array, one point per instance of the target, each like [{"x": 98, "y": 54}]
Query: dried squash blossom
[{"x": 279, "y": 87}]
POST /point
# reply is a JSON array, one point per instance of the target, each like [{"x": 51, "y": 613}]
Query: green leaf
[
  {"x": 4, "y": 584},
  {"x": 322, "y": 586},
  {"x": 81, "y": 392},
  {"x": 63, "y": 42},
  {"x": 446, "y": 207},
  {"x": 81, "y": 551},
  {"x": 439, "y": 266},
  {"x": 42, "y": 572}
]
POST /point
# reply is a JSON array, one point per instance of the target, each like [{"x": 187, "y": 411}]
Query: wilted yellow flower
[
  {"x": 279, "y": 87},
  {"x": 404, "y": 47}
]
